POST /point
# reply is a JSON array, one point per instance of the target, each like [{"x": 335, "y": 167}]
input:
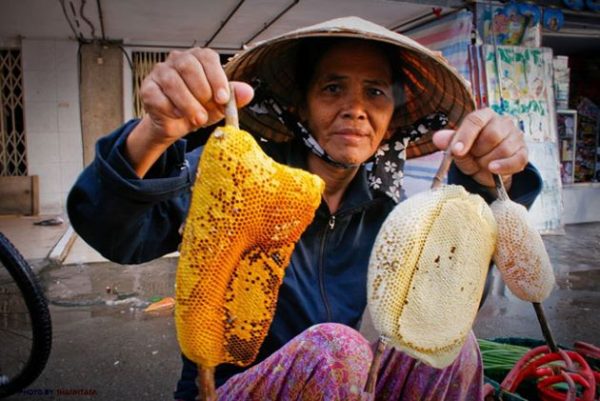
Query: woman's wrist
[{"x": 144, "y": 146}]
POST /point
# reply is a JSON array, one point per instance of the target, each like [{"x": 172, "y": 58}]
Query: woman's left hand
[{"x": 486, "y": 144}]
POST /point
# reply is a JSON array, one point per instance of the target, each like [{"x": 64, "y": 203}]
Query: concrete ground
[
  {"x": 107, "y": 347},
  {"x": 35, "y": 242},
  {"x": 573, "y": 309}
]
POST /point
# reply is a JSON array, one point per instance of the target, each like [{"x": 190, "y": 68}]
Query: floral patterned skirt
[{"x": 331, "y": 361}]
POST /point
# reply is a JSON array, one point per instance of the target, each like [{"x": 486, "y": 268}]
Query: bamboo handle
[
  {"x": 440, "y": 174},
  {"x": 500, "y": 189},
  {"x": 231, "y": 111},
  {"x": 206, "y": 384},
  {"x": 372, "y": 377},
  {"x": 546, "y": 332}
]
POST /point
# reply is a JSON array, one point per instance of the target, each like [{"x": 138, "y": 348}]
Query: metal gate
[
  {"x": 13, "y": 149},
  {"x": 143, "y": 61}
]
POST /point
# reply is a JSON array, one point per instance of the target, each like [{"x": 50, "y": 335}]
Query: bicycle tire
[{"x": 37, "y": 307}]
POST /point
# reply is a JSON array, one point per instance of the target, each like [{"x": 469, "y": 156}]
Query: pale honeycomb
[
  {"x": 427, "y": 272},
  {"x": 246, "y": 214},
  {"x": 520, "y": 255}
]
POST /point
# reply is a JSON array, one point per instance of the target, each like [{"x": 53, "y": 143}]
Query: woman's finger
[
  {"x": 243, "y": 93},
  {"x": 155, "y": 101},
  {"x": 508, "y": 147},
  {"x": 510, "y": 165},
  {"x": 495, "y": 132},
  {"x": 441, "y": 139},
  {"x": 468, "y": 165},
  {"x": 175, "y": 89},
  {"x": 470, "y": 129},
  {"x": 215, "y": 75},
  {"x": 191, "y": 71}
]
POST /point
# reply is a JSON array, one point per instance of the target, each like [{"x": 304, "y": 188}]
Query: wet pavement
[
  {"x": 572, "y": 310},
  {"x": 107, "y": 348}
]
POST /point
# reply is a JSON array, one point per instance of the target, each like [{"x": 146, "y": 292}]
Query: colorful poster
[
  {"x": 524, "y": 89},
  {"x": 524, "y": 92},
  {"x": 519, "y": 84},
  {"x": 516, "y": 24}
]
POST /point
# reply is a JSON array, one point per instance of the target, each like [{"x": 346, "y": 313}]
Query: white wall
[
  {"x": 52, "y": 121},
  {"x": 581, "y": 203}
]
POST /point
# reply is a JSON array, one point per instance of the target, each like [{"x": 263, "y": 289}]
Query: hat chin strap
[{"x": 311, "y": 143}]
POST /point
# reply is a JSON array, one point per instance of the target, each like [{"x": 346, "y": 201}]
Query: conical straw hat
[{"x": 429, "y": 83}]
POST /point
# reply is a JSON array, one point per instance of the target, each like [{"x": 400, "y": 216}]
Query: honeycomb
[
  {"x": 520, "y": 255},
  {"x": 427, "y": 272},
  {"x": 246, "y": 214}
]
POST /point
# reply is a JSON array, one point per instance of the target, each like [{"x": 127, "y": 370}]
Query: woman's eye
[
  {"x": 332, "y": 88},
  {"x": 376, "y": 92}
]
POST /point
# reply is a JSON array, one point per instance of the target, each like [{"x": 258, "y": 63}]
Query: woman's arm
[
  {"x": 125, "y": 218},
  {"x": 130, "y": 202}
]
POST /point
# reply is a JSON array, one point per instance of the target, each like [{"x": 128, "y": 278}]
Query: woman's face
[{"x": 349, "y": 103}]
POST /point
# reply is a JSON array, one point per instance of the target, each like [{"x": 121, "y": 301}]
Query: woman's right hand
[{"x": 186, "y": 92}]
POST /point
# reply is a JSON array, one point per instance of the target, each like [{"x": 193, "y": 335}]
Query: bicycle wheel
[{"x": 25, "y": 325}]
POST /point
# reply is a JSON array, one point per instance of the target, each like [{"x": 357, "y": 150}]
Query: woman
[{"x": 364, "y": 101}]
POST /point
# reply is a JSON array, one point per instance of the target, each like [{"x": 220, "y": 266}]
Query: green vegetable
[{"x": 499, "y": 358}]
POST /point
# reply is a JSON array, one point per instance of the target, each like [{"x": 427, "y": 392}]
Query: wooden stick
[
  {"x": 539, "y": 311},
  {"x": 231, "y": 111},
  {"x": 206, "y": 376},
  {"x": 206, "y": 384},
  {"x": 374, "y": 369},
  {"x": 438, "y": 178},
  {"x": 442, "y": 171},
  {"x": 500, "y": 189}
]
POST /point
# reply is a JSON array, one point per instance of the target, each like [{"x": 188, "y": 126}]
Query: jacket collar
[{"x": 358, "y": 194}]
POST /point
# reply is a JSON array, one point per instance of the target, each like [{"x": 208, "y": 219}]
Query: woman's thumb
[
  {"x": 441, "y": 139},
  {"x": 243, "y": 93}
]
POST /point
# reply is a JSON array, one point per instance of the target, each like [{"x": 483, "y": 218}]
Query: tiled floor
[
  {"x": 33, "y": 241},
  {"x": 37, "y": 242}
]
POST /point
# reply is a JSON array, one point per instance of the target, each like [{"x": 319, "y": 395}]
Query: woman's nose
[{"x": 354, "y": 106}]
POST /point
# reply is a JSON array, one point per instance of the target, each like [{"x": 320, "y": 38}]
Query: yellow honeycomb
[
  {"x": 246, "y": 214},
  {"x": 427, "y": 272}
]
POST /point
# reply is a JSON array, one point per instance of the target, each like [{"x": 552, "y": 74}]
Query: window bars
[
  {"x": 13, "y": 149},
  {"x": 143, "y": 61}
]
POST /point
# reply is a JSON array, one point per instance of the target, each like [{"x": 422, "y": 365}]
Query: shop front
[{"x": 537, "y": 63}]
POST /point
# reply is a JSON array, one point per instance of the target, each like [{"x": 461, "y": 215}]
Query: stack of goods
[{"x": 561, "y": 81}]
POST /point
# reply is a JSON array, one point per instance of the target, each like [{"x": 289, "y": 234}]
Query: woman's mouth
[{"x": 350, "y": 133}]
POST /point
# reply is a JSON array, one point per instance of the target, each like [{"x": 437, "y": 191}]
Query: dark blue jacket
[{"x": 129, "y": 220}]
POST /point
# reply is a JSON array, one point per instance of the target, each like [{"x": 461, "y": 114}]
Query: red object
[
  {"x": 549, "y": 368},
  {"x": 437, "y": 11},
  {"x": 587, "y": 349}
]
